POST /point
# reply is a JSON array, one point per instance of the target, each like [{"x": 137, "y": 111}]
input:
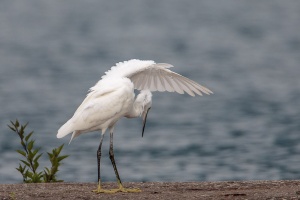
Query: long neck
[
  {"x": 141, "y": 104},
  {"x": 136, "y": 111}
]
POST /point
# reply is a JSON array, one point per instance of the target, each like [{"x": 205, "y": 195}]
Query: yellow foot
[
  {"x": 99, "y": 190},
  {"x": 120, "y": 189},
  {"x": 111, "y": 191}
]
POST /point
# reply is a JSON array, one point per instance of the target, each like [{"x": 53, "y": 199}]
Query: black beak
[{"x": 144, "y": 121}]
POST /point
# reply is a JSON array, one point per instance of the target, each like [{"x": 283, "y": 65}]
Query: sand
[{"x": 157, "y": 190}]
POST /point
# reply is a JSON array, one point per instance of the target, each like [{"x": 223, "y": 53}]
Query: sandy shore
[{"x": 157, "y": 190}]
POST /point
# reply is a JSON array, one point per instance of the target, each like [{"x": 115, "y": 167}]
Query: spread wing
[{"x": 158, "y": 77}]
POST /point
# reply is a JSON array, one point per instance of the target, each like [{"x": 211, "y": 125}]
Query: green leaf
[
  {"x": 40, "y": 174},
  {"x": 47, "y": 170},
  {"x": 60, "y": 148},
  {"x": 23, "y": 144},
  {"x": 50, "y": 155},
  {"x": 28, "y": 136},
  {"x": 37, "y": 157},
  {"x": 12, "y": 128},
  {"x": 60, "y": 158},
  {"x": 23, "y": 153},
  {"x": 36, "y": 177},
  {"x": 25, "y": 162},
  {"x": 29, "y": 174},
  {"x": 17, "y": 123},
  {"x": 21, "y": 169},
  {"x": 30, "y": 156},
  {"x": 24, "y": 126},
  {"x": 36, "y": 165},
  {"x": 30, "y": 145},
  {"x": 22, "y": 130},
  {"x": 35, "y": 152}
]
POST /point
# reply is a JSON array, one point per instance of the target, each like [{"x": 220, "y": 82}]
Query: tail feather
[{"x": 65, "y": 129}]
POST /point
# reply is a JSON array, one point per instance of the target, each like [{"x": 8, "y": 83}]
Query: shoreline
[{"x": 281, "y": 189}]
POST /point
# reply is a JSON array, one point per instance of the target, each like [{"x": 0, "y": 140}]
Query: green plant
[
  {"x": 29, "y": 166},
  {"x": 12, "y": 195}
]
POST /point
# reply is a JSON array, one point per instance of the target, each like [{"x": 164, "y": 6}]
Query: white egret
[{"x": 113, "y": 97}]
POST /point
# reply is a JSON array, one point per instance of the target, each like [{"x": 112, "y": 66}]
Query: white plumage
[{"x": 113, "y": 97}]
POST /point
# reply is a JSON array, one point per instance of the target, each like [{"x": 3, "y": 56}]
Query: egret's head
[{"x": 145, "y": 101}]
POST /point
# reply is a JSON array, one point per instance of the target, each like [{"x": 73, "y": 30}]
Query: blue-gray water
[{"x": 247, "y": 52}]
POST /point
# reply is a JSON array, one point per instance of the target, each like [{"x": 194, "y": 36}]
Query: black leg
[
  {"x": 99, "y": 156},
  {"x": 112, "y": 158},
  {"x": 98, "y": 190}
]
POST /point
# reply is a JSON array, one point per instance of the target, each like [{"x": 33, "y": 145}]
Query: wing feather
[
  {"x": 169, "y": 86},
  {"x": 158, "y": 77},
  {"x": 144, "y": 82},
  {"x": 155, "y": 81},
  {"x": 160, "y": 82},
  {"x": 198, "y": 87},
  {"x": 186, "y": 88},
  {"x": 176, "y": 85}
]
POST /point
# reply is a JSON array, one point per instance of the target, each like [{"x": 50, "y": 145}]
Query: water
[{"x": 247, "y": 52}]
